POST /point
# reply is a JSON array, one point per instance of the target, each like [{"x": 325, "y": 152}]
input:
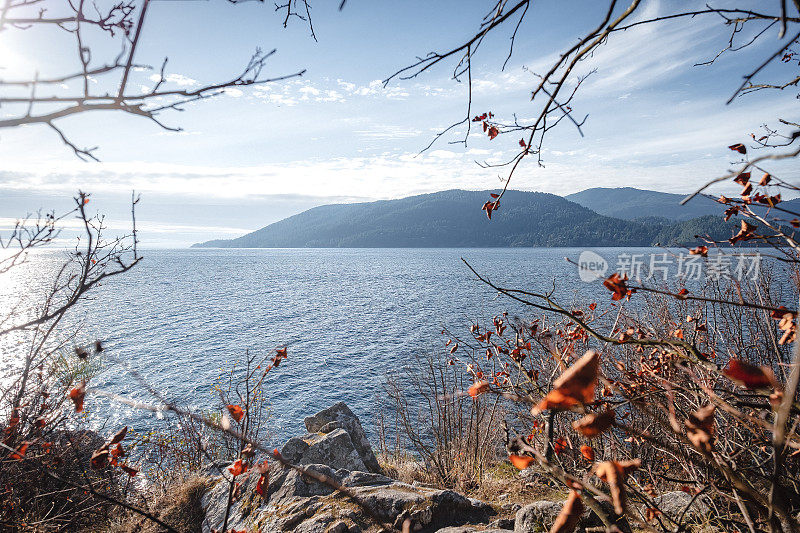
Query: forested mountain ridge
[{"x": 453, "y": 219}]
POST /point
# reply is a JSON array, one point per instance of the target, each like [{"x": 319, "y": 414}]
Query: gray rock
[
  {"x": 502, "y": 523},
  {"x": 294, "y": 502},
  {"x": 674, "y": 503},
  {"x": 339, "y": 416},
  {"x": 537, "y": 516},
  {"x": 335, "y": 449}
]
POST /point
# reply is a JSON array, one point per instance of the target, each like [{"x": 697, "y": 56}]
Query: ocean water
[{"x": 348, "y": 317}]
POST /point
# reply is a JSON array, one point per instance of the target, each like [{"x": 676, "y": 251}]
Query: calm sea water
[{"x": 348, "y": 317}]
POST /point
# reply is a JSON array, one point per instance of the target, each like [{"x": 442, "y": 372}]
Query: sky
[{"x": 256, "y": 155}]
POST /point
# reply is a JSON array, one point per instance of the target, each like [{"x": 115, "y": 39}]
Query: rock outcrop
[{"x": 337, "y": 448}]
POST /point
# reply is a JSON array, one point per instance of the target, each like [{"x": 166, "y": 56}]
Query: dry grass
[{"x": 180, "y": 507}]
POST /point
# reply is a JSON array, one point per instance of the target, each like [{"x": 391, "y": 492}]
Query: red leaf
[
  {"x": 700, "y": 250},
  {"x": 20, "y": 452},
  {"x": 742, "y": 179},
  {"x": 128, "y": 470},
  {"x": 749, "y": 376},
  {"x": 765, "y": 179},
  {"x": 236, "y": 412},
  {"x": 237, "y": 468},
  {"x": 559, "y": 445},
  {"x": 117, "y": 438},
  {"x": 493, "y": 132},
  {"x": 738, "y": 147},
  {"x": 100, "y": 458},
  {"x": 77, "y": 395},
  {"x": 523, "y": 143},
  {"x": 617, "y": 285}
]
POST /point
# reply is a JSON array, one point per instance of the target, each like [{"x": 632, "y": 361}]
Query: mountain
[
  {"x": 453, "y": 219},
  {"x": 628, "y": 203}
]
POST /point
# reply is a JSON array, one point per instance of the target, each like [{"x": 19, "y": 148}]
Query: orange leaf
[
  {"x": 567, "y": 520},
  {"x": 559, "y": 445},
  {"x": 20, "y": 452},
  {"x": 236, "y": 412},
  {"x": 477, "y": 388},
  {"x": 614, "y": 473},
  {"x": 77, "y": 395},
  {"x": 237, "y": 468},
  {"x": 575, "y": 386},
  {"x": 700, "y": 428},
  {"x": 587, "y": 452},
  {"x": 594, "y": 424},
  {"x": 520, "y": 461},
  {"x": 749, "y": 376}
]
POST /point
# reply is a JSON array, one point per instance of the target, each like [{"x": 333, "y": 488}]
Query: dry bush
[
  {"x": 428, "y": 434},
  {"x": 180, "y": 507}
]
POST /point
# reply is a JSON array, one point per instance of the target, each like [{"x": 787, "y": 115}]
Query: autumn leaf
[
  {"x": 745, "y": 233},
  {"x": 118, "y": 451},
  {"x": 129, "y": 470},
  {"x": 765, "y": 179},
  {"x": 587, "y": 452},
  {"x": 522, "y": 143},
  {"x": 119, "y": 436},
  {"x": 478, "y": 388},
  {"x": 19, "y": 453},
  {"x": 493, "y": 132},
  {"x": 738, "y": 147},
  {"x": 614, "y": 473},
  {"x": 700, "y": 428},
  {"x": 559, "y": 445},
  {"x": 236, "y": 412},
  {"x": 521, "y": 461},
  {"x": 262, "y": 484},
  {"x": 682, "y": 294},
  {"x": 237, "y": 468},
  {"x": 575, "y": 386},
  {"x": 617, "y": 285},
  {"x": 594, "y": 424},
  {"x": 100, "y": 458},
  {"x": 700, "y": 250},
  {"x": 77, "y": 395},
  {"x": 742, "y": 179},
  {"x": 567, "y": 520},
  {"x": 749, "y": 376}
]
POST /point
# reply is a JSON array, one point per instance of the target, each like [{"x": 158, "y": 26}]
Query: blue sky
[{"x": 253, "y": 156}]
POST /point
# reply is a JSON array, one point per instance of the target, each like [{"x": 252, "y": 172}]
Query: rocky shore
[{"x": 336, "y": 446}]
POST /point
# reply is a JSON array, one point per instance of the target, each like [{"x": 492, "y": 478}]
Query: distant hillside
[
  {"x": 628, "y": 203},
  {"x": 454, "y": 219},
  {"x": 641, "y": 205}
]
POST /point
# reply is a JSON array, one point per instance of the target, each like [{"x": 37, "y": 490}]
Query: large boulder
[
  {"x": 335, "y": 449},
  {"x": 340, "y": 416},
  {"x": 537, "y": 516}
]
